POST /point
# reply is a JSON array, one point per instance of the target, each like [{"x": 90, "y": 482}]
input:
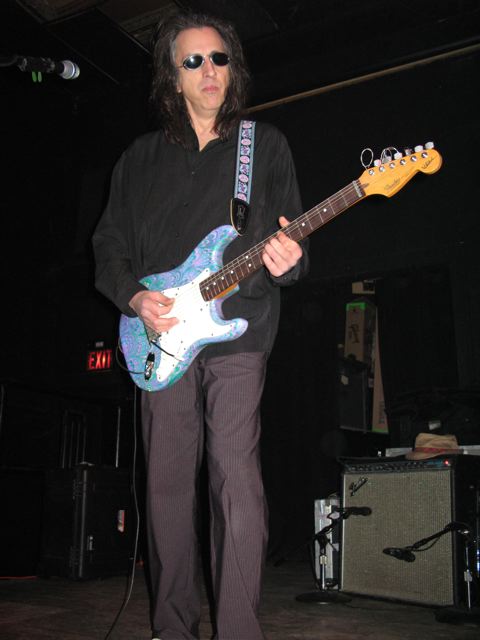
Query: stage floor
[{"x": 62, "y": 609}]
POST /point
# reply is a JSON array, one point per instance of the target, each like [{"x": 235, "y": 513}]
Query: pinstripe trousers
[{"x": 213, "y": 410}]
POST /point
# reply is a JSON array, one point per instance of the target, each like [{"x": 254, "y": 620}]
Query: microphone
[
  {"x": 350, "y": 511},
  {"x": 461, "y": 527},
  {"x": 400, "y": 554},
  {"x": 65, "y": 69}
]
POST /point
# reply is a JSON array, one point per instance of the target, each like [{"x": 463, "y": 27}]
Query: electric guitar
[{"x": 199, "y": 285}]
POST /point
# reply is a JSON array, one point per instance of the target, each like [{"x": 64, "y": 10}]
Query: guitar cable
[
  {"x": 165, "y": 351},
  {"x": 118, "y": 350},
  {"x": 150, "y": 359},
  {"x": 131, "y": 574},
  {"x": 120, "y": 364}
]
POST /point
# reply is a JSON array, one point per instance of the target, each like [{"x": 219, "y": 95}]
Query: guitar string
[
  {"x": 296, "y": 225},
  {"x": 220, "y": 278},
  {"x": 182, "y": 301},
  {"x": 299, "y": 222}
]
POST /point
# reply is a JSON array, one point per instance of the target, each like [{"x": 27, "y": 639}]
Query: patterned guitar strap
[{"x": 239, "y": 204}]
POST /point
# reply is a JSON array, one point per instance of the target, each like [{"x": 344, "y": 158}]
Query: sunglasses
[{"x": 196, "y": 60}]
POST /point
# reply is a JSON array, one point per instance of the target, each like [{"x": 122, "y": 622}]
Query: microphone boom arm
[{"x": 452, "y": 526}]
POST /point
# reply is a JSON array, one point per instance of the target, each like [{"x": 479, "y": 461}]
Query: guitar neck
[{"x": 247, "y": 263}]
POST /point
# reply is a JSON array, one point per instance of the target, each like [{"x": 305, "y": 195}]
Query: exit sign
[{"x": 99, "y": 360}]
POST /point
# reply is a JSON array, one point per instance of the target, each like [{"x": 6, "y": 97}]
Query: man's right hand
[{"x": 152, "y": 307}]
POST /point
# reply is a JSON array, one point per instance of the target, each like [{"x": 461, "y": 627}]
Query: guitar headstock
[{"x": 387, "y": 178}]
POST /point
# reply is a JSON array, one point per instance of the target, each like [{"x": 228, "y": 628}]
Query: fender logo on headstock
[{"x": 392, "y": 185}]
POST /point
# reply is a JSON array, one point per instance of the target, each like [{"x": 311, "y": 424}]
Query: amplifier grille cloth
[{"x": 406, "y": 507}]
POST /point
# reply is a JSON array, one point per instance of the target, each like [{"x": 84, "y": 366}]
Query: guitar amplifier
[
  {"x": 410, "y": 500},
  {"x": 89, "y": 522}
]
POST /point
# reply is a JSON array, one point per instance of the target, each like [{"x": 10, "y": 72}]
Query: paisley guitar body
[{"x": 167, "y": 356}]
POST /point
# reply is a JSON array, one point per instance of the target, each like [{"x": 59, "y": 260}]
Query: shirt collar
[{"x": 192, "y": 139}]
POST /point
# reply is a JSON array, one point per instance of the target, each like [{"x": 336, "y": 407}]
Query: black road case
[{"x": 89, "y": 522}]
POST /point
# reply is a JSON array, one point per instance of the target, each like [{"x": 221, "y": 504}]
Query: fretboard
[{"x": 250, "y": 261}]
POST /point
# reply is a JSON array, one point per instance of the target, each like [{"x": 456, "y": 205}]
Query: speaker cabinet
[{"x": 410, "y": 501}]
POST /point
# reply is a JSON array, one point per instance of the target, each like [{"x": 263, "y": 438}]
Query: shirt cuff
[{"x": 290, "y": 277}]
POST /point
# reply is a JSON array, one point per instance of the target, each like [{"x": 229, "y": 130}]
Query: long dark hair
[{"x": 168, "y": 104}]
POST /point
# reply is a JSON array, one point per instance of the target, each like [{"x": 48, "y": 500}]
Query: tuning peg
[
  {"x": 408, "y": 152},
  {"x": 397, "y": 156},
  {"x": 419, "y": 148},
  {"x": 377, "y": 163},
  {"x": 429, "y": 145}
]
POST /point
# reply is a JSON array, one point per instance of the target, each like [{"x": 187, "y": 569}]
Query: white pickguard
[{"x": 195, "y": 323}]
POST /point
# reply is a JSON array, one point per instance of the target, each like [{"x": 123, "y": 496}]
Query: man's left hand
[{"x": 281, "y": 253}]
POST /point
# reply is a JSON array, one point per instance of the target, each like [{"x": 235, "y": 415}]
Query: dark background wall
[{"x": 420, "y": 248}]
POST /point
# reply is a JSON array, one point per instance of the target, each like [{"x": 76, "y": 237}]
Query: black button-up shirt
[{"x": 165, "y": 199}]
